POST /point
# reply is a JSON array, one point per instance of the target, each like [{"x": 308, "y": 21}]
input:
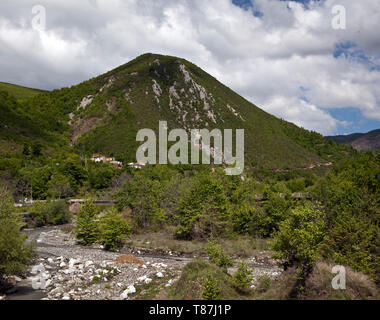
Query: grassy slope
[{"x": 19, "y": 92}]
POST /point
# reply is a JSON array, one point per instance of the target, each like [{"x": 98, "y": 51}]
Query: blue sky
[{"x": 284, "y": 56}]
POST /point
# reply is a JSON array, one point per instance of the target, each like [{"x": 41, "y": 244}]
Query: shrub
[
  {"x": 113, "y": 229},
  {"x": 15, "y": 254},
  {"x": 87, "y": 226},
  {"x": 143, "y": 195},
  {"x": 263, "y": 283},
  {"x": 299, "y": 237},
  {"x": 242, "y": 277},
  {"x": 211, "y": 289},
  {"x": 217, "y": 255},
  {"x": 242, "y": 218},
  {"x": 53, "y": 212},
  {"x": 204, "y": 212}
]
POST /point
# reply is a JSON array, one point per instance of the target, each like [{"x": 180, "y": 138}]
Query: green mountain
[
  {"x": 103, "y": 114},
  {"x": 360, "y": 141}
]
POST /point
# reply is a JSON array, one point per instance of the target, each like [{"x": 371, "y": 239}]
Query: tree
[
  {"x": 143, "y": 195},
  {"x": 298, "y": 238},
  {"x": 113, "y": 229},
  {"x": 242, "y": 277},
  {"x": 204, "y": 213},
  {"x": 211, "y": 289},
  {"x": 15, "y": 253},
  {"x": 100, "y": 176},
  {"x": 59, "y": 186},
  {"x": 87, "y": 226}
]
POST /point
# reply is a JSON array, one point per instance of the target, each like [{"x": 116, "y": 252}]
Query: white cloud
[{"x": 265, "y": 59}]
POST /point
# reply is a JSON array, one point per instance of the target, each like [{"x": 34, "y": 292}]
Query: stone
[
  {"x": 73, "y": 262},
  {"x": 66, "y": 297},
  {"x": 50, "y": 260},
  {"x": 159, "y": 275},
  {"x": 148, "y": 280},
  {"x": 38, "y": 268},
  {"x": 88, "y": 263},
  {"x": 141, "y": 279},
  {"x": 130, "y": 290}
]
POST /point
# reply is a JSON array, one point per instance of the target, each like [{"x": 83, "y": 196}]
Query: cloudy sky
[{"x": 284, "y": 56}]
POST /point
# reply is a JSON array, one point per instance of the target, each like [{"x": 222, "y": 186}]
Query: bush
[
  {"x": 204, "y": 213},
  {"x": 15, "y": 254},
  {"x": 143, "y": 195},
  {"x": 211, "y": 289},
  {"x": 242, "y": 218},
  {"x": 87, "y": 228},
  {"x": 53, "y": 212},
  {"x": 242, "y": 277},
  {"x": 299, "y": 237},
  {"x": 113, "y": 229},
  {"x": 263, "y": 283},
  {"x": 217, "y": 255}
]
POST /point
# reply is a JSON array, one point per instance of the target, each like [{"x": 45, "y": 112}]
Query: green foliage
[
  {"x": 100, "y": 176},
  {"x": 276, "y": 210},
  {"x": 87, "y": 229},
  {"x": 350, "y": 195},
  {"x": 263, "y": 283},
  {"x": 242, "y": 217},
  {"x": 299, "y": 237},
  {"x": 19, "y": 92},
  {"x": 15, "y": 254},
  {"x": 242, "y": 277},
  {"x": 211, "y": 289},
  {"x": 113, "y": 229},
  {"x": 51, "y": 212},
  {"x": 204, "y": 212},
  {"x": 60, "y": 187},
  {"x": 217, "y": 255},
  {"x": 143, "y": 195}
]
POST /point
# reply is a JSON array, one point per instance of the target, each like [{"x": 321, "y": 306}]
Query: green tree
[
  {"x": 87, "y": 228},
  {"x": 299, "y": 236},
  {"x": 242, "y": 277},
  {"x": 143, "y": 195},
  {"x": 217, "y": 255},
  {"x": 15, "y": 253},
  {"x": 211, "y": 289},
  {"x": 59, "y": 186},
  {"x": 113, "y": 229},
  {"x": 100, "y": 176},
  {"x": 205, "y": 212}
]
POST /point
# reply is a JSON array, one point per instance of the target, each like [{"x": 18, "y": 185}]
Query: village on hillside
[{"x": 116, "y": 164}]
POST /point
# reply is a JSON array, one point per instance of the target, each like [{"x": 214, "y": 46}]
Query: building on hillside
[
  {"x": 137, "y": 165},
  {"x": 100, "y": 158}
]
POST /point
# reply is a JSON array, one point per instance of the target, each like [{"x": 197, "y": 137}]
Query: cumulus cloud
[{"x": 287, "y": 59}]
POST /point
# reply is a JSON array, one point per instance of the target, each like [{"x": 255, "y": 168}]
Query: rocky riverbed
[{"x": 65, "y": 270}]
